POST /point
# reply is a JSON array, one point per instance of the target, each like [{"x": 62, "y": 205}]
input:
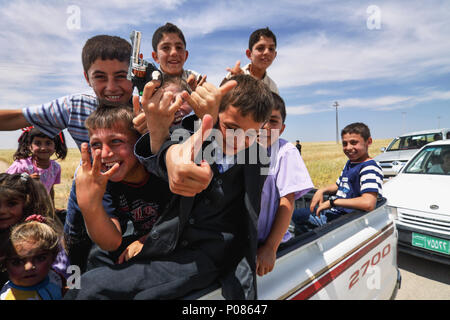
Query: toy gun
[{"x": 141, "y": 71}]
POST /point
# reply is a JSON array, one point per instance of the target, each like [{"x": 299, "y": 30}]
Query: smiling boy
[
  {"x": 116, "y": 188},
  {"x": 208, "y": 232},
  {"x": 169, "y": 51},
  {"x": 358, "y": 186},
  {"x": 261, "y": 52},
  {"x": 105, "y": 64},
  {"x": 287, "y": 181}
]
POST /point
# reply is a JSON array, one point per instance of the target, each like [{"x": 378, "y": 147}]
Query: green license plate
[{"x": 431, "y": 243}]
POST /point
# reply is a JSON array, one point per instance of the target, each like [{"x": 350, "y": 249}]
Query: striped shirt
[
  {"x": 68, "y": 112},
  {"x": 358, "y": 178}
]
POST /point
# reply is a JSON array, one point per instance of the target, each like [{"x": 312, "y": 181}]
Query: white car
[
  {"x": 402, "y": 148},
  {"x": 420, "y": 194}
]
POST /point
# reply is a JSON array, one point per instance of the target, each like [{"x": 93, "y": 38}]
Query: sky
[{"x": 385, "y": 63}]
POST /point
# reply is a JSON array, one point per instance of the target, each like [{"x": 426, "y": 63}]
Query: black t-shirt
[{"x": 142, "y": 204}]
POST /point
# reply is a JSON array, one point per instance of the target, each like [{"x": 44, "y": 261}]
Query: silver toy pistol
[{"x": 141, "y": 71}]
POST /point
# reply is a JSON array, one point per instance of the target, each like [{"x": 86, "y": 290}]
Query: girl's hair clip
[
  {"x": 27, "y": 129},
  {"x": 24, "y": 176},
  {"x": 36, "y": 217}
]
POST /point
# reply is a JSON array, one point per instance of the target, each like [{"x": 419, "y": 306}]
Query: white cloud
[{"x": 301, "y": 110}]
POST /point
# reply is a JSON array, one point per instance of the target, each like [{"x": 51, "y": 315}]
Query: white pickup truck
[{"x": 352, "y": 257}]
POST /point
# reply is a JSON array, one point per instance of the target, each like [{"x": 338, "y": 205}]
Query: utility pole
[
  {"x": 337, "y": 130},
  {"x": 439, "y": 122}
]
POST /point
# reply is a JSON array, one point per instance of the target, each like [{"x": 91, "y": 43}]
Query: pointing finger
[
  {"x": 176, "y": 105},
  {"x": 136, "y": 105},
  {"x": 149, "y": 89},
  {"x": 97, "y": 163},
  {"x": 85, "y": 157},
  {"x": 227, "y": 86}
]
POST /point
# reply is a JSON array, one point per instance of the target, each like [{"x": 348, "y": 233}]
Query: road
[{"x": 423, "y": 279}]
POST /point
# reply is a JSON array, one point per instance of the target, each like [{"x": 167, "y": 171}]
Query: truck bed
[{"x": 352, "y": 257}]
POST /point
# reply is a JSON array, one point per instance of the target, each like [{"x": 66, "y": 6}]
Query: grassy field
[{"x": 324, "y": 161}]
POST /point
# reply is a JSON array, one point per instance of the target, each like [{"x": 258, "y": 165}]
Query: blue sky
[{"x": 387, "y": 66}]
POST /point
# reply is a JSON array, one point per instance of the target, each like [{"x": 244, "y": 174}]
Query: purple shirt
[
  {"x": 48, "y": 177},
  {"x": 287, "y": 174}
]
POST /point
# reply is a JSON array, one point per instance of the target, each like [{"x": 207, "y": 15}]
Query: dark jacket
[{"x": 239, "y": 280}]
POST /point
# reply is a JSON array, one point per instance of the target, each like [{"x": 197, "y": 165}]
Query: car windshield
[
  {"x": 413, "y": 142},
  {"x": 431, "y": 160}
]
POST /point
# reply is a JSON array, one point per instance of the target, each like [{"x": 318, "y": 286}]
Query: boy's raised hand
[
  {"x": 90, "y": 181},
  {"x": 159, "y": 112},
  {"x": 193, "y": 83},
  {"x": 206, "y": 98},
  {"x": 236, "y": 69},
  {"x": 186, "y": 178}
]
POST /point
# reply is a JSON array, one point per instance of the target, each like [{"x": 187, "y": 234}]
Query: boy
[
  {"x": 262, "y": 52},
  {"x": 169, "y": 51},
  {"x": 129, "y": 192},
  {"x": 105, "y": 63},
  {"x": 358, "y": 186},
  {"x": 288, "y": 180},
  {"x": 201, "y": 237}
]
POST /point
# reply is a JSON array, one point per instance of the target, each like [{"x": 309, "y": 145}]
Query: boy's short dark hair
[
  {"x": 108, "y": 116},
  {"x": 105, "y": 47},
  {"x": 257, "y": 34},
  {"x": 357, "y": 128},
  {"x": 250, "y": 96},
  {"x": 177, "y": 80},
  {"x": 279, "y": 105},
  {"x": 167, "y": 28}
]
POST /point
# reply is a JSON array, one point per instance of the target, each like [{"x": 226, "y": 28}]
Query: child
[
  {"x": 129, "y": 192},
  {"x": 205, "y": 237},
  {"x": 177, "y": 86},
  {"x": 105, "y": 62},
  {"x": 34, "y": 245},
  {"x": 33, "y": 157},
  {"x": 287, "y": 181},
  {"x": 358, "y": 186},
  {"x": 262, "y": 52},
  {"x": 298, "y": 146},
  {"x": 20, "y": 197},
  {"x": 169, "y": 51}
]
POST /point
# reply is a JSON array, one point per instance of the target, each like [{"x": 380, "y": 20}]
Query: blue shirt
[{"x": 358, "y": 178}]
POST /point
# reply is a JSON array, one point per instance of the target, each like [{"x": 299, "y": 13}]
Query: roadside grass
[{"x": 324, "y": 161}]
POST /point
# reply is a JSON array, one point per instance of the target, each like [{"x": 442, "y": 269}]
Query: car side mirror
[{"x": 383, "y": 149}]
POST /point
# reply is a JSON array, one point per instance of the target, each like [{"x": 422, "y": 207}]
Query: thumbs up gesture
[{"x": 186, "y": 178}]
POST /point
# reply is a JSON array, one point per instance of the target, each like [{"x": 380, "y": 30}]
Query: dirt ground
[{"x": 3, "y": 166}]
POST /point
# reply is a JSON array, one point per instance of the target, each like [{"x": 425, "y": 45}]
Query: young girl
[
  {"x": 20, "y": 197},
  {"x": 33, "y": 157},
  {"x": 33, "y": 247}
]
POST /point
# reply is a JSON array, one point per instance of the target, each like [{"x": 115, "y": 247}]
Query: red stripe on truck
[{"x": 318, "y": 285}]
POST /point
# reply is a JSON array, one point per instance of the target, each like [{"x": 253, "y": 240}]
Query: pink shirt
[{"x": 48, "y": 177}]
